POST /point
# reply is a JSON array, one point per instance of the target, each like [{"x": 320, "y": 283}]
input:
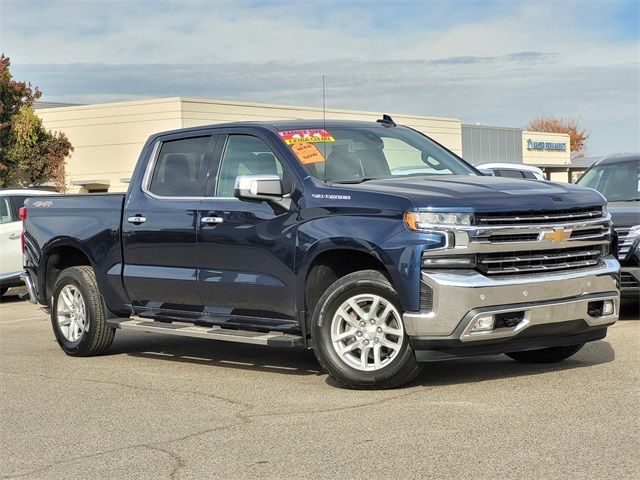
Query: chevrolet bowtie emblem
[{"x": 557, "y": 235}]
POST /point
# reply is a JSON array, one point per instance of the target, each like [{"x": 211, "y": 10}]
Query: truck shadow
[
  {"x": 481, "y": 369},
  {"x": 286, "y": 361},
  {"x": 299, "y": 362}
]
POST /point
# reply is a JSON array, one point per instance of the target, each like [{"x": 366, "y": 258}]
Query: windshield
[
  {"x": 618, "y": 182},
  {"x": 353, "y": 155}
]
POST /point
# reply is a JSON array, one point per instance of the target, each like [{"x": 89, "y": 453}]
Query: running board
[{"x": 272, "y": 339}]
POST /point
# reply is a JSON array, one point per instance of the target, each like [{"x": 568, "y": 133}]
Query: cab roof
[
  {"x": 281, "y": 125},
  {"x": 619, "y": 158}
]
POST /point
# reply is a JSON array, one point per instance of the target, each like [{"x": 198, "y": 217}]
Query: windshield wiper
[
  {"x": 355, "y": 180},
  {"x": 629, "y": 200}
]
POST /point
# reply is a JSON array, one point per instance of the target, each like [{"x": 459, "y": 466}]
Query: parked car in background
[
  {"x": 617, "y": 177},
  {"x": 10, "y": 232},
  {"x": 512, "y": 170}
]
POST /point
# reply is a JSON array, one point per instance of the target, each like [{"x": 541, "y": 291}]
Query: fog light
[
  {"x": 607, "y": 307},
  {"x": 484, "y": 323}
]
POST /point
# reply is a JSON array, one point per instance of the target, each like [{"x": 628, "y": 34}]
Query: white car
[
  {"x": 512, "y": 170},
  {"x": 10, "y": 232}
]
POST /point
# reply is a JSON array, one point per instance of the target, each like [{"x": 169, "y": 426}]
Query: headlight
[
  {"x": 428, "y": 220},
  {"x": 604, "y": 211}
]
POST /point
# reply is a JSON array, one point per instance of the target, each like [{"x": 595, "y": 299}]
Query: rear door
[
  {"x": 246, "y": 249},
  {"x": 159, "y": 228},
  {"x": 10, "y": 249}
]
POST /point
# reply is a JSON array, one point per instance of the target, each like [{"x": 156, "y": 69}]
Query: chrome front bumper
[{"x": 459, "y": 298}]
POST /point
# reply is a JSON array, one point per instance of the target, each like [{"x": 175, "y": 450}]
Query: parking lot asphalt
[{"x": 165, "y": 407}]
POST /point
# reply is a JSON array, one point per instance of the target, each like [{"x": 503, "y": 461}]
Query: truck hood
[{"x": 484, "y": 193}]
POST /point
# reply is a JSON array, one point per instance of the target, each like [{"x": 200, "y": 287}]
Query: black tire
[
  {"x": 98, "y": 336},
  {"x": 403, "y": 367},
  {"x": 3, "y": 290},
  {"x": 546, "y": 355}
]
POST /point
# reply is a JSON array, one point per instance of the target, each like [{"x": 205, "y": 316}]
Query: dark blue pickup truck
[{"x": 368, "y": 242}]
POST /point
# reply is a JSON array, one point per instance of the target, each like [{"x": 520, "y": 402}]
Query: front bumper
[{"x": 542, "y": 302}]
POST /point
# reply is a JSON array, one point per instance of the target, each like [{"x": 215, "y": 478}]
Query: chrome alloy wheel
[
  {"x": 367, "y": 332},
  {"x": 71, "y": 313}
]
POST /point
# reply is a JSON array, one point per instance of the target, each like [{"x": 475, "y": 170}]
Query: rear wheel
[
  {"x": 358, "y": 335},
  {"x": 3, "y": 290},
  {"x": 77, "y": 314},
  {"x": 546, "y": 355}
]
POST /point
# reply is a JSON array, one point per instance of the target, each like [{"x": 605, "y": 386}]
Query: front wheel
[
  {"x": 358, "y": 334},
  {"x": 546, "y": 355},
  {"x": 77, "y": 314}
]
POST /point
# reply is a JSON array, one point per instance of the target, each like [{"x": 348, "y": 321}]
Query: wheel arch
[
  {"x": 58, "y": 256},
  {"x": 326, "y": 265}
]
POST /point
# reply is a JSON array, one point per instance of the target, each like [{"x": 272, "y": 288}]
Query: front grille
[
  {"x": 539, "y": 261},
  {"x": 628, "y": 281},
  {"x": 624, "y": 241},
  {"x": 538, "y": 217},
  {"x": 516, "y": 237}
]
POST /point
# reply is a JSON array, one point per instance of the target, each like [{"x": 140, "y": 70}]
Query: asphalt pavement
[{"x": 161, "y": 407}]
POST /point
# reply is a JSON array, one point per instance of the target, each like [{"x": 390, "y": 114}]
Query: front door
[
  {"x": 246, "y": 249},
  {"x": 159, "y": 229}
]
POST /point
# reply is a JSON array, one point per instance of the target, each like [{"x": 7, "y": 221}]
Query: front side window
[
  {"x": 180, "y": 170},
  {"x": 246, "y": 155},
  {"x": 356, "y": 154},
  {"x": 5, "y": 210},
  {"x": 618, "y": 182}
]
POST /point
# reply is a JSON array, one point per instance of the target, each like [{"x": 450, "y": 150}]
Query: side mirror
[{"x": 258, "y": 187}]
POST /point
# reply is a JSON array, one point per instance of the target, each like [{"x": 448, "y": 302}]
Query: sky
[{"x": 490, "y": 62}]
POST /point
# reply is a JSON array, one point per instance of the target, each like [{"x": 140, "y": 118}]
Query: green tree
[{"x": 29, "y": 154}]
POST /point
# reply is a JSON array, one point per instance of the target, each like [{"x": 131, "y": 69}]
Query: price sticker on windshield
[
  {"x": 310, "y": 135},
  {"x": 307, "y": 153}
]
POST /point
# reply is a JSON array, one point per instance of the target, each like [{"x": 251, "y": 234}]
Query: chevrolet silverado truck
[{"x": 368, "y": 242}]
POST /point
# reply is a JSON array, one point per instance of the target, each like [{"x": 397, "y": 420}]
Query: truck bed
[{"x": 90, "y": 222}]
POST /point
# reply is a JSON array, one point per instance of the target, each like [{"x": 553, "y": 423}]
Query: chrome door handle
[
  {"x": 14, "y": 236},
  {"x": 211, "y": 220},
  {"x": 136, "y": 219}
]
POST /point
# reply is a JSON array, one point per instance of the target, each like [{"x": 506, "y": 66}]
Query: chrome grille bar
[
  {"x": 538, "y": 217},
  {"x": 543, "y": 268},
  {"x": 624, "y": 241},
  {"x": 538, "y": 257}
]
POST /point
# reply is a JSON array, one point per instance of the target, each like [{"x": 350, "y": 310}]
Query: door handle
[
  {"x": 14, "y": 236},
  {"x": 136, "y": 219},
  {"x": 211, "y": 220}
]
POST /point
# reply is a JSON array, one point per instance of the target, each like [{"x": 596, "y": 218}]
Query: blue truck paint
[{"x": 253, "y": 268}]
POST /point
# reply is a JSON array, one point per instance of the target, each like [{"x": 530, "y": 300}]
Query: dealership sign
[{"x": 548, "y": 146}]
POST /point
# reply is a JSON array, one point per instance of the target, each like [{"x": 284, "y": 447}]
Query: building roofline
[{"x": 274, "y": 106}]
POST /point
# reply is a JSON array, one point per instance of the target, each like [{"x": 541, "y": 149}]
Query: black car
[{"x": 617, "y": 177}]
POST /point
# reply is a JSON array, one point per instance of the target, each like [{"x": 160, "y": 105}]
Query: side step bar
[{"x": 272, "y": 339}]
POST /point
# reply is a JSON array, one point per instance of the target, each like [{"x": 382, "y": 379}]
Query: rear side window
[
  {"x": 17, "y": 202},
  {"x": 509, "y": 173},
  {"x": 181, "y": 170},
  {"x": 529, "y": 175},
  {"x": 5, "y": 210}
]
